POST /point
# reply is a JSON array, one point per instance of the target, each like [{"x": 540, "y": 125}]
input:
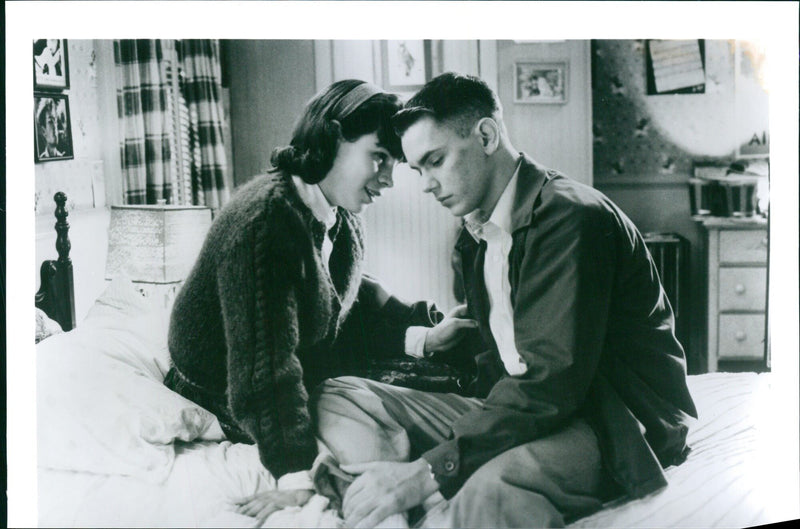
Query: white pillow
[
  {"x": 45, "y": 326},
  {"x": 140, "y": 323},
  {"x": 102, "y": 406}
]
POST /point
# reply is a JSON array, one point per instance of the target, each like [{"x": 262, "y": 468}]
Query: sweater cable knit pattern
[{"x": 258, "y": 295}]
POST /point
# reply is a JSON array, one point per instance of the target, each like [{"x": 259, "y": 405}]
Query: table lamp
[{"x": 155, "y": 245}]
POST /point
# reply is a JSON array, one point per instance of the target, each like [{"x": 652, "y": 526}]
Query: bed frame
[{"x": 56, "y": 295}]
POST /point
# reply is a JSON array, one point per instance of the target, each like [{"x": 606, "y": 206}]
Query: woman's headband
[{"x": 353, "y": 99}]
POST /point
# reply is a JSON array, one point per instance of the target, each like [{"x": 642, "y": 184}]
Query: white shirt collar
[
  {"x": 501, "y": 215},
  {"x": 312, "y": 196}
]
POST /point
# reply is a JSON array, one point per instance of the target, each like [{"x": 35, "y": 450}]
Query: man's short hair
[{"x": 454, "y": 99}]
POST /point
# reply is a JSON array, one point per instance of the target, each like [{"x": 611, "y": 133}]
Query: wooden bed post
[{"x": 56, "y": 295}]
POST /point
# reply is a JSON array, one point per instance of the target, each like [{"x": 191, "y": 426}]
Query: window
[{"x": 178, "y": 110}]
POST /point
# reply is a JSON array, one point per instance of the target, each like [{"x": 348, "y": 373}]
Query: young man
[
  {"x": 48, "y": 129},
  {"x": 580, "y": 388}
]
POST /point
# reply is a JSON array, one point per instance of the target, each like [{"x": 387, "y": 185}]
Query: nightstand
[{"x": 736, "y": 250}]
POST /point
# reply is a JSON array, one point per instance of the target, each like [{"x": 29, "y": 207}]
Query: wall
[
  {"x": 556, "y": 135},
  {"x": 645, "y": 147},
  {"x": 409, "y": 236},
  {"x": 270, "y": 81},
  {"x": 658, "y": 137},
  {"x": 83, "y": 178}
]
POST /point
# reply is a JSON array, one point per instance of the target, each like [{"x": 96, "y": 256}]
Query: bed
[{"x": 116, "y": 448}]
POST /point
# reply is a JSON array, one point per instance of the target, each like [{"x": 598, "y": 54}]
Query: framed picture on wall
[
  {"x": 406, "y": 64},
  {"x": 50, "y": 64},
  {"x": 540, "y": 82},
  {"x": 52, "y": 124}
]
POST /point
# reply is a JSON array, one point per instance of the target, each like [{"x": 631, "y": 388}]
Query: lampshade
[{"x": 155, "y": 244}]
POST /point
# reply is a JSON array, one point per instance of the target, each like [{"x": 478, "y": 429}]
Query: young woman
[{"x": 277, "y": 302}]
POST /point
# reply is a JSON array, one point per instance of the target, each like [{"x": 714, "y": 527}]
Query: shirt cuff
[
  {"x": 296, "y": 481},
  {"x": 299, "y": 480},
  {"x": 415, "y": 341}
]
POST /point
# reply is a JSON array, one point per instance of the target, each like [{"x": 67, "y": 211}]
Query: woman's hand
[
  {"x": 261, "y": 505},
  {"x": 449, "y": 331}
]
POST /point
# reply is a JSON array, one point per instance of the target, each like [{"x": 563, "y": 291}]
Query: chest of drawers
[{"x": 737, "y": 292}]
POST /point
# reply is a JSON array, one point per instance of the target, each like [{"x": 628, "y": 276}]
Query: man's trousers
[{"x": 544, "y": 483}]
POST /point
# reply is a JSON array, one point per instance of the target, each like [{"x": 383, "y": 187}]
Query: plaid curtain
[
  {"x": 201, "y": 86},
  {"x": 144, "y": 123}
]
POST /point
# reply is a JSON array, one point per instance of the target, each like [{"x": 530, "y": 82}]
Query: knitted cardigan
[{"x": 256, "y": 299}]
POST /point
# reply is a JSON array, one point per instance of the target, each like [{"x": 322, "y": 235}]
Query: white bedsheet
[
  {"x": 117, "y": 449},
  {"x": 724, "y": 482},
  {"x": 205, "y": 477}
]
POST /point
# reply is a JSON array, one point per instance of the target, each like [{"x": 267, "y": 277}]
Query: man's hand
[
  {"x": 385, "y": 488},
  {"x": 263, "y": 504},
  {"x": 449, "y": 331}
]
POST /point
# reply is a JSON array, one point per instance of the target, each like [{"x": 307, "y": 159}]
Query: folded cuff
[
  {"x": 415, "y": 341},
  {"x": 296, "y": 481}
]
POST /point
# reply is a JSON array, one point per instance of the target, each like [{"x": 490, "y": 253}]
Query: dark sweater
[{"x": 254, "y": 325}]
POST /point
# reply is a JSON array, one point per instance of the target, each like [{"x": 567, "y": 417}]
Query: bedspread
[
  {"x": 205, "y": 478},
  {"x": 723, "y": 481},
  {"x": 118, "y": 449}
]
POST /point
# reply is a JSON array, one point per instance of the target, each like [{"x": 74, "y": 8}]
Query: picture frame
[
  {"x": 540, "y": 82},
  {"x": 50, "y": 64},
  {"x": 52, "y": 127},
  {"x": 406, "y": 64}
]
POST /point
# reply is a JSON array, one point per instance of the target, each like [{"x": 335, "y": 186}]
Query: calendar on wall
[{"x": 675, "y": 66}]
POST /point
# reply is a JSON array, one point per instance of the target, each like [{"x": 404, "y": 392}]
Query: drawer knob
[
  {"x": 764, "y": 242},
  {"x": 739, "y": 289},
  {"x": 740, "y": 336}
]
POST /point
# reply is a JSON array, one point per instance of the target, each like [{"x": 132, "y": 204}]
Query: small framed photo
[
  {"x": 540, "y": 82},
  {"x": 406, "y": 64},
  {"x": 53, "y": 127},
  {"x": 50, "y": 64}
]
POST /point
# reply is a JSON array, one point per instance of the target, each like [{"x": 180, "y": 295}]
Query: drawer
[
  {"x": 742, "y": 289},
  {"x": 741, "y": 336},
  {"x": 743, "y": 246}
]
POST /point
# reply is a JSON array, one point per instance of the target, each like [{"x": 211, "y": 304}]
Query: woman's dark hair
[{"x": 315, "y": 139}]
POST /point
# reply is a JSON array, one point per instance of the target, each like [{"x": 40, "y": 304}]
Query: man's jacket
[{"x": 595, "y": 329}]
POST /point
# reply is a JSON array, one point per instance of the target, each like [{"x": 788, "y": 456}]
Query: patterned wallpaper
[{"x": 658, "y": 137}]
